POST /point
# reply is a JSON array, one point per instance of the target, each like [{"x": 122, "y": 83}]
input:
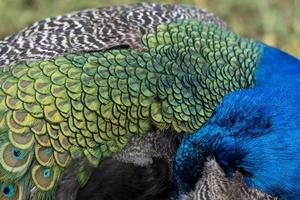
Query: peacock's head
[{"x": 252, "y": 132}]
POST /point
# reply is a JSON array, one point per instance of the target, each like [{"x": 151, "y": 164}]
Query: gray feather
[{"x": 214, "y": 185}]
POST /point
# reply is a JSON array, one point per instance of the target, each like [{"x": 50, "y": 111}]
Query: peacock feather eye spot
[
  {"x": 8, "y": 190},
  {"x": 47, "y": 172},
  {"x": 18, "y": 153}
]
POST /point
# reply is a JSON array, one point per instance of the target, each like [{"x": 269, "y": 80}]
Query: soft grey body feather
[
  {"x": 142, "y": 150},
  {"x": 214, "y": 185}
]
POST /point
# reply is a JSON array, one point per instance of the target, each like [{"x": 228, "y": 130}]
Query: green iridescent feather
[{"x": 90, "y": 105}]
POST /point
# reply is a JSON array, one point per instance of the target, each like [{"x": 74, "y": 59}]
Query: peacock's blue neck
[
  {"x": 276, "y": 66},
  {"x": 191, "y": 155}
]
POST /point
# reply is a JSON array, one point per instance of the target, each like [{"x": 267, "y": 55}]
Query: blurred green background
[{"x": 276, "y": 22}]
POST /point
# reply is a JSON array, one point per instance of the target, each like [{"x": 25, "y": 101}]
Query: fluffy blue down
[{"x": 256, "y": 131}]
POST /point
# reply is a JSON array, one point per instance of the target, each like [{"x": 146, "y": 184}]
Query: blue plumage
[
  {"x": 276, "y": 67},
  {"x": 255, "y": 131}
]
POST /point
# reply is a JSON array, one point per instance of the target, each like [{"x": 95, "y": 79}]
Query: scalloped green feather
[
  {"x": 10, "y": 191},
  {"x": 44, "y": 156},
  {"x": 22, "y": 141},
  {"x": 62, "y": 159},
  {"x": 45, "y": 178},
  {"x": 14, "y": 160},
  {"x": 12, "y": 125}
]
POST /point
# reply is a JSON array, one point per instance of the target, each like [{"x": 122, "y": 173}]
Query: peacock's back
[{"x": 94, "y": 30}]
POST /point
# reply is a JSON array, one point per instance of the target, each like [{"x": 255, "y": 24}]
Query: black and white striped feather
[{"x": 93, "y": 30}]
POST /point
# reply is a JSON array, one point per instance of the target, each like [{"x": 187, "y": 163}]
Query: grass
[{"x": 275, "y": 22}]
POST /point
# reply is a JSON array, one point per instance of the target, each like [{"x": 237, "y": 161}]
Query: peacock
[
  {"x": 40, "y": 41},
  {"x": 77, "y": 89},
  {"x": 254, "y": 134}
]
